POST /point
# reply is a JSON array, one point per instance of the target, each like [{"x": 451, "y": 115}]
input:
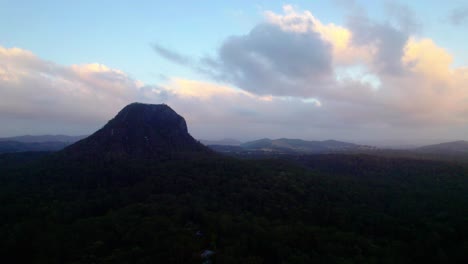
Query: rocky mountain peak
[{"x": 139, "y": 131}]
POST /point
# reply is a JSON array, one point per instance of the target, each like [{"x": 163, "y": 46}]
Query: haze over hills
[
  {"x": 460, "y": 146},
  {"x": 282, "y": 145},
  {"x": 36, "y": 143},
  {"x": 153, "y": 123},
  {"x": 15, "y": 146},
  {"x": 292, "y": 146},
  {"x": 44, "y": 138},
  {"x": 222, "y": 142},
  {"x": 298, "y": 145}
]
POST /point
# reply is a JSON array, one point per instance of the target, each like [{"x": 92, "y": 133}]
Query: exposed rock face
[{"x": 139, "y": 131}]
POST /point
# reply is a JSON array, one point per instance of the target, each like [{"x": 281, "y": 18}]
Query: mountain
[
  {"x": 299, "y": 145},
  {"x": 222, "y": 142},
  {"x": 43, "y": 138},
  {"x": 16, "y": 146},
  {"x": 460, "y": 147},
  {"x": 36, "y": 143},
  {"x": 139, "y": 131}
]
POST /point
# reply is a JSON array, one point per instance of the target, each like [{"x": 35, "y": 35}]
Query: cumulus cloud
[
  {"x": 270, "y": 60},
  {"x": 39, "y": 96},
  {"x": 290, "y": 76},
  {"x": 423, "y": 56},
  {"x": 377, "y": 74},
  {"x": 337, "y": 37},
  {"x": 35, "y": 89}
]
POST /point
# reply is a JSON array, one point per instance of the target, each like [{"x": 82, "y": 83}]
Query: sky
[{"x": 371, "y": 72}]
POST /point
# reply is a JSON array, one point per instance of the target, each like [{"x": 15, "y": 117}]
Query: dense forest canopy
[{"x": 322, "y": 209}]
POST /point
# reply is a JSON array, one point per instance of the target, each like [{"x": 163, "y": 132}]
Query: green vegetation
[{"x": 311, "y": 209}]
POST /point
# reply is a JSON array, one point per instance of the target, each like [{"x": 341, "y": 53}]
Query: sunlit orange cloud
[
  {"x": 15, "y": 62},
  {"x": 208, "y": 91},
  {"x": 106, "y": 79},
  {"x": 430, "y": 91},
  {"x": 337, "y": 36},
  {"x": 202, "y": 90},
  {"x": 205, "y": 103},
  {"x": 14, "y": 52},
  {"x": 31, "y": 87},
  {"x": 423, "y": 56}
]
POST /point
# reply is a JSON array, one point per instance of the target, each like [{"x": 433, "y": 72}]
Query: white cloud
[
  {"x": 37, "y": 90},
  {"x": 338, "y": 37},
  {"x": 271, "y": 61},
  {"x": 291, "y": 76}
]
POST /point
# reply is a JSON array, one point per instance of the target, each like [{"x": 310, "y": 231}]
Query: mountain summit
[{"x": 139, "y": 131}]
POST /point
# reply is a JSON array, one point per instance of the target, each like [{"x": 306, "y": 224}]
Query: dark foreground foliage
[{"x": 322, "y": 209}]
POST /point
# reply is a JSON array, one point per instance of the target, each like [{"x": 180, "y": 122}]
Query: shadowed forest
[{"x": 325, "y": 209}]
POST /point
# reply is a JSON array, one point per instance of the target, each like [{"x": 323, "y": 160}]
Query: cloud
[
  {"x": 172, "y": 55},
  {"x": 423, "y": 56},
  {"x": 377, "y": 74},
  {"x": 402, "y": 16},
  {"x": 272, "y": 61},
  {"x": 290, "y": 76},
  {"x": 40, "y": 97},
  {"x": 33, "y": 89},
  {"x": 459, "y": 16},
  {"x": 215, "y": 111},
  {"x": 387, "y": 42},
  {"x": 336, "y": 36}
]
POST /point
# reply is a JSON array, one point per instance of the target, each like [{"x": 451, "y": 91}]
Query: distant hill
[
  {"x": 43, "y": 138},
  {"x": 299, "y": 145},
  {"x": 222, "y": 142},
  {"x": 15, "y": 146},
  {"x": 460, "y": 147},
  {"x": 139, "y": 131},
  {"x": 36, "y": 143}
]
